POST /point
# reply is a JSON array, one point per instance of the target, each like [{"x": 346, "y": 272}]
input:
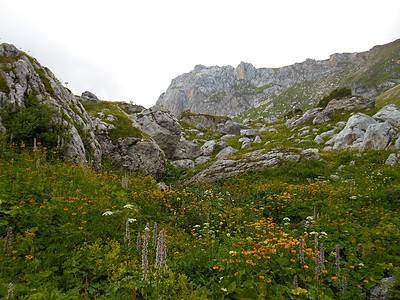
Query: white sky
[{"x": 128, "y": 50}]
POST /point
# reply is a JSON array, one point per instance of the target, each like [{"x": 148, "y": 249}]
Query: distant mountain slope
[{"x": 233, "y": 91}]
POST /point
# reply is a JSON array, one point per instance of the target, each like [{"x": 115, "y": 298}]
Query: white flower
[
  {"x": 314, "y": 232},
  {"x": 286, "y": 224},
  {"x": 107, "y": 213},
  {"x": 129, "y": 206},
  {"x": 310, "y": 218},
  {"x": 196, "y": 226},
  {"x": 132, "y": 220},
  {"x": 232, "y": 252},
  {"x": 206, "y": 224},
  {"x": 228, "y": 234},
  {"x": 224, "y": 289},
  {"x": 286, "y": 219}
]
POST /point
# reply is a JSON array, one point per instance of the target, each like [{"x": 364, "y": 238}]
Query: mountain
[{"x": 246, "y": 91}]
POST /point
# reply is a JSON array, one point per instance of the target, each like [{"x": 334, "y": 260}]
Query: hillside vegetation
[{"x": 70, "y": 232}]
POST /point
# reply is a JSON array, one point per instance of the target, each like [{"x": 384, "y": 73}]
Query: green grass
[
  {"x": 232, "y": 239},
  {"x": 3, "y": 85},
  {"x": 391, "y": 96},
  {"x": 122, "y": 122}
]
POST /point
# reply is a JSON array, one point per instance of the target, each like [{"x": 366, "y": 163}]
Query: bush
[
  {"x": 35, "y": 120},
  {"x": 337, "y": 93}
]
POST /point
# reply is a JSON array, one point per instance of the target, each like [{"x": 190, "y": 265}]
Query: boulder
[
  {"x": 187, "y": 149},
  {"x": 202, "y": 160},
  {"x": 302, "y": 119},
  {"x": 227, "y": 137},
  {"x": 227, "y": 152},
  {"x": 230, "y": 127},
  {"x": 353, "y": 103},
  {"x": 257, "y": 140},
  {"x": 323, "y": 116},
  {"x": 352, "y": 135},
  {"x": 390, "y": 113},
  {"x": 377, "y": 137},
  {"x": 249, "y": 132},
  {"x": 380, "y": 291},
  {"x": 163, "y": 127},
  {"x": 89, "y": 97},
  {"x": 208, "y": 147},
  {"x": 392, "y": 160},
  {"x": 183, "y": 164}
]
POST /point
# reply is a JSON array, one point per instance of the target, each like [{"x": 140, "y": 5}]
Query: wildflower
[
  {"x": 107, "y": 213},
  {"x": 145, "y": 262},
  {"x": 286, "y": 219},
  {"x": 317, "y": 268},
  {"x": 128, "y": 206},
  {"x": 295, "y": 282},
  {"x": 344, "y": 285},
  {"x": 80, "y": 227},
  {"x": 132, "y": 220},
  {"x": 337, "y": 260},
  {"x": 155, "y": 235},
  {"x": 302, "y": 261},
  {"x": 8, "y": 242},
  {"x": 127, "y": 238},
  {"x": 28, "y": 256},
  {"x": 10, "y": 290},
  {"x": 161, "y": 256}
]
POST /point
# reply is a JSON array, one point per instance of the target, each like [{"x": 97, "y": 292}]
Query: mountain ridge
[{"x": 232, "y": 91}]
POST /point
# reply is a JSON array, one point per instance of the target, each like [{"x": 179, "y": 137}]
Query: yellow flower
[
  {"x": 80, "y": 228},
  {"x": 74, "y": 214},
  {"x": 28, "y": 256}
]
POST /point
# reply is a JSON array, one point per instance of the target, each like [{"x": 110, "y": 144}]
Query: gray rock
[
  {"x": 377, "y": 137},
  {"x": 231, "y": 127},
  {"x": 353, "y": 103},
  {"x": 306, "y": 117},
  {"x": 323, "y": 116},
  {"x": 257, "y": 140},
  {"x": 227, "y": 137},
  {"x": 389, "y": 113},
  {"x": 249, "y": 132},
  {"x": 227, "y": 152},
  {"x": 380, "y": 291},
  {"x": 208, "y": 147},
  {"x": 202, "y": 160},
  {"x": 201, "y": 127},
  {"x": 183, "y": 164},
  {"x": 193, "y": 131},
  {"x": 89, "y": 97},
  {"x": 310, "y": 153},
  {"x": 187, "y": 149},
  {"x": 161, "y": 126},
  {"x": 352, "y": 136},
  {"x": 392, "y": 159},
  {"x": 221, "y": 144}
]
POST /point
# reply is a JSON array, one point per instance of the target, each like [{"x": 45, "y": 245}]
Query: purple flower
[
  {"x": 145, "y": 262},
  {"x": 317, "y": 261},
  {"x": 8, "y": 242},
  {"x": 344, "y": 285},
  {"x": 301, "y": 250},
  {"x": 161, "y": 256},
  {"x": 295, "y": 282},
  {"x": 155, "y": 235},
  {"x": 337, "y": 261}
]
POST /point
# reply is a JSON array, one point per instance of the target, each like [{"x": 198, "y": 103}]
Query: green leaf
[{"x": 232, "y": 287}]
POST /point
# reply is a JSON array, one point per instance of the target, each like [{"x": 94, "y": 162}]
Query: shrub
[
  {"x": 35, "y": 120},
  {"x": 337, "y": 93}
]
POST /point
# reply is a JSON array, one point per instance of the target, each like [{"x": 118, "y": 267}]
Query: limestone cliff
[{"x": 229, "y": 91}]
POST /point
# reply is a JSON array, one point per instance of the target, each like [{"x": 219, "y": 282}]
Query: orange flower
[
  {"x": 261, "y": 277},
  {"x": 28, "y": 256},
  {"x": 292, "y": 260},
  {"x": 74, "y": 214},
  {"x": 333, "y": 277},
  {"x": 65, "y": 208},
  {"x": 351, "y": 267},
  {"x": 269, "y": 281},
  {"x": 236, "y": 274},
  {"x": 306, "y": 267},
  {"x": 80, "y": 228}
]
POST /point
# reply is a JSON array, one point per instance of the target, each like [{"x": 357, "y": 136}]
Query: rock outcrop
[
  {"x": 22, "y": 76},
  {"x": 229, "y": 91},
  {"x": 161, "y": 126}
]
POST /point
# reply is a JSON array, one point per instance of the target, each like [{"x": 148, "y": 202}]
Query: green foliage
[
  {"x": 122, "y": 122},
  {"x": 3, "y": 85},
  {"x": 35, "y": 120},
  {"x": 338, "y": 93}
]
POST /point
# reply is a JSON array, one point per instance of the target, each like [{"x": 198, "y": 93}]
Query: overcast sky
[{"x": 128, "y": 50}]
